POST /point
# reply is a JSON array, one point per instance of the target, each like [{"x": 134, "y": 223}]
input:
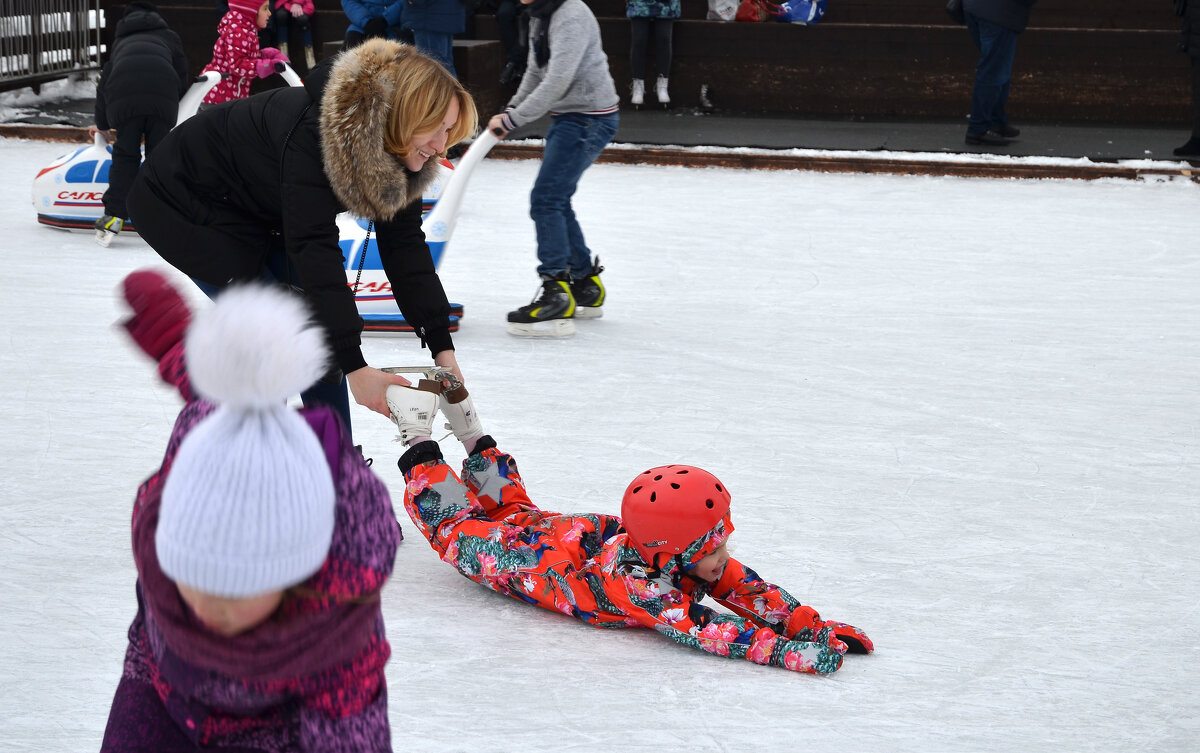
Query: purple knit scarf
[{"x": 321, "y": 635}]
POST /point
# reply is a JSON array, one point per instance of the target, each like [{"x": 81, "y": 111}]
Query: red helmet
[{"x": 667, "y": 508}]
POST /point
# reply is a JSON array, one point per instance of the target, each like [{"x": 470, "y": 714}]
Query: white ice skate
[{"x": 413, "y": 410}]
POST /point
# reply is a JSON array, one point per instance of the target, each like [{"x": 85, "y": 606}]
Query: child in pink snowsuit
[
  {"x": 236, "y": 54},
  {"x": 650, "y": 568}
]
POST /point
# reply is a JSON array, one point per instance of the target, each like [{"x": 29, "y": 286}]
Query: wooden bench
[{"x": 1080, "y": 60}]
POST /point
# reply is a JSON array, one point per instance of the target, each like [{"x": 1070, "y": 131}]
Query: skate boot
[
  {"x": 550, "y": 314},
  {"x": 589, "y": 294},
  {"x": 460, "y": 414},
  {"x": 283, "y": 48},
  {"x": 637, "y": 93},
  {"x": 413, "y": 410},
  {"x": 660, "y": 91},
  {"x": 309, "y": 58},
  {"x": 107, "y": 228}
]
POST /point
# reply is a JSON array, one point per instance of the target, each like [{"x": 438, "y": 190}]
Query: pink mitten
[
  {"x": 160, "y": 314},
  {"x": 264, "y": 67}
]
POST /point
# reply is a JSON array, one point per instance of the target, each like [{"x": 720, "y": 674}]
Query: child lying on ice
[{"x": 651, "y": 567}]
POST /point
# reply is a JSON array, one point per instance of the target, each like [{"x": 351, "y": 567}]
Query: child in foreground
[
  {"x": 261, "y": 544},
  {"x": 651, "y": 567}
]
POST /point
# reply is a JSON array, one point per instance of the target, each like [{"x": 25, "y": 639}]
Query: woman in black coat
[{"x": 251, "y": 189}]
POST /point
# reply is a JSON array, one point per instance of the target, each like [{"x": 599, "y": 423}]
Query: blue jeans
[
  {"x": 438, "y": 45},
  {"x": 334, "y": 394},
  {"x": 997, "y": 47},
  {"x": 573, "y": 142}
]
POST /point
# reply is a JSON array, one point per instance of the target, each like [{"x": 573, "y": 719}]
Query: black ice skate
[
  {"x": 589, "y": 294},
  {"x": 550, "y": 314},
  {"x": 107, "y": 228}
]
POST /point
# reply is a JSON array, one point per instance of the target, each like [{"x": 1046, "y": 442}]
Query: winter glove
[
  {"x": 376, "y": 27},
  {"x": 298, "y": 12},
  {"x": 268, "y": 57},
  {"x": 856, "y": 640},
  {"x": 806, "y": 625},
  {"x": 160, "y": 315}
]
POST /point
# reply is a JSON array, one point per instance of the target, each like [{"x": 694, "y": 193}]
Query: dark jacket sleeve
[{"x": 415, "y": 283}]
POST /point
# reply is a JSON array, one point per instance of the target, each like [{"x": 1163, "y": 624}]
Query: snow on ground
[{"x": 959, "y": 413}]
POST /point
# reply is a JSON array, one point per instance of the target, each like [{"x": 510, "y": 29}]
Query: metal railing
[{"x": 43, "y": 40}]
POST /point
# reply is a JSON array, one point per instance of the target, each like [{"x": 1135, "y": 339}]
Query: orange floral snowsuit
[{"x": 586, "y": 567}]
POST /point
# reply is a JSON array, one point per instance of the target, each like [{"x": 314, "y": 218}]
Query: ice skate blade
[
  {"x": 589, "y": 312},
  {"x": 551, "y": 328},
  {"x": 105, "y": 237}
]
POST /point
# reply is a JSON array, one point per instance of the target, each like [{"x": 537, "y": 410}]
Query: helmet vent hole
[
  {"x": 652, "y": 495},
  {"x": 658, "y": 477},
  {"x": 708, "y": 503},
  {"x": 719, "y": 488},
  {"x": 681, "y": 473},
  {"x": 674, "y": 485},
  {"x": 637, "y": 489}
]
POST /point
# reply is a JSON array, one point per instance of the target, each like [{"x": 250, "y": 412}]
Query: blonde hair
[{"x": 420, "y": 98}]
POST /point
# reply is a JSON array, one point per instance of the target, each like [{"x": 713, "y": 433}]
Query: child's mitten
[
  {"x": 298, "y": 12},
  {"x": 160, "y": 314},
  {"x": 856, "y": 640}
]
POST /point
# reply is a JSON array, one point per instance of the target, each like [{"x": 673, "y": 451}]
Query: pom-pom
[{"x": 255, "y": 347}]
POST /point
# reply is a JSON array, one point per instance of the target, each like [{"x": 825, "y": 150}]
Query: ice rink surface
[{"x": 961, "y": 414}]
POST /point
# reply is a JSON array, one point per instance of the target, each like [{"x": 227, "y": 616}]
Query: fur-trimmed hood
[{"x": 355, "y": 106}]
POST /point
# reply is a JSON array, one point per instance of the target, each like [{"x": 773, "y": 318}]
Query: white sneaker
[
  {"x": 413, "y": 411},
  {"x": 660, "y": 91},
  {"x": 637, "y": 92},
  {"x": 460, "y": 414}
]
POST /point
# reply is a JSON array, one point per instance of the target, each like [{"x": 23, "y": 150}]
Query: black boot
[
  {"x": 550, "y": 314},
  {"x": 1190, "y": 149},
  {"x": 589, "y": 294}
]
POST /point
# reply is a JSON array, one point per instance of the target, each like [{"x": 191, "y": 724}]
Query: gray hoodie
[{"x": 575, "y": 79}]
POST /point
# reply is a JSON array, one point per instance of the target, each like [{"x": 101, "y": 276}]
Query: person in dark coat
[
  {"x": 138, "y": 97},
  {"x": 994, "y": 26},
  {"x": 251, "y": 190},
  {"x": 1190, "y": 43}
]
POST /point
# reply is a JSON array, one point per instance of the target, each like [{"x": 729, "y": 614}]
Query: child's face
[
  {"x": 710, "y": 567},
  {"x": 229, "y": 617},
  {"x": 264, "y": 14},
  {"x": 425, "y": 146}
]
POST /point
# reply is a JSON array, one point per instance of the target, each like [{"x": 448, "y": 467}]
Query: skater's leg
[
  {"x": 126, "y": 157},
  {"x": 573, "y": 142}
]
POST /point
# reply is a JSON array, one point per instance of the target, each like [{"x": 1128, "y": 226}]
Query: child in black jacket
[{"x": 138, "y": 97}]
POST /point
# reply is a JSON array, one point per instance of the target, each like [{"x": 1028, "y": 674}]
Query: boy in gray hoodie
[{"x": 566, "y": 76}]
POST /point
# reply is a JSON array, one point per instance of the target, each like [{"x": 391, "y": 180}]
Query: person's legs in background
[
  {"x": 438, "y": 45},
  {"x": 639, "y": 35},
  {"x": 508, "y": 15},
  {"x": 1192, "y": 147},
  {"x": 997, "y": 48},
  {"x": 663, "y": 34}
]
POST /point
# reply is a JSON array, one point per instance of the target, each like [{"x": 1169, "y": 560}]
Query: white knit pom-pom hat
[{"x": 248, "y": 505}]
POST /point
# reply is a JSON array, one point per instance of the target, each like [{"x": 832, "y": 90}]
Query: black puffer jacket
[
  {"x": 1011, "y": 14},
  {"x": 146, "y": 72},
  {"x": 287, "y": 162}
]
